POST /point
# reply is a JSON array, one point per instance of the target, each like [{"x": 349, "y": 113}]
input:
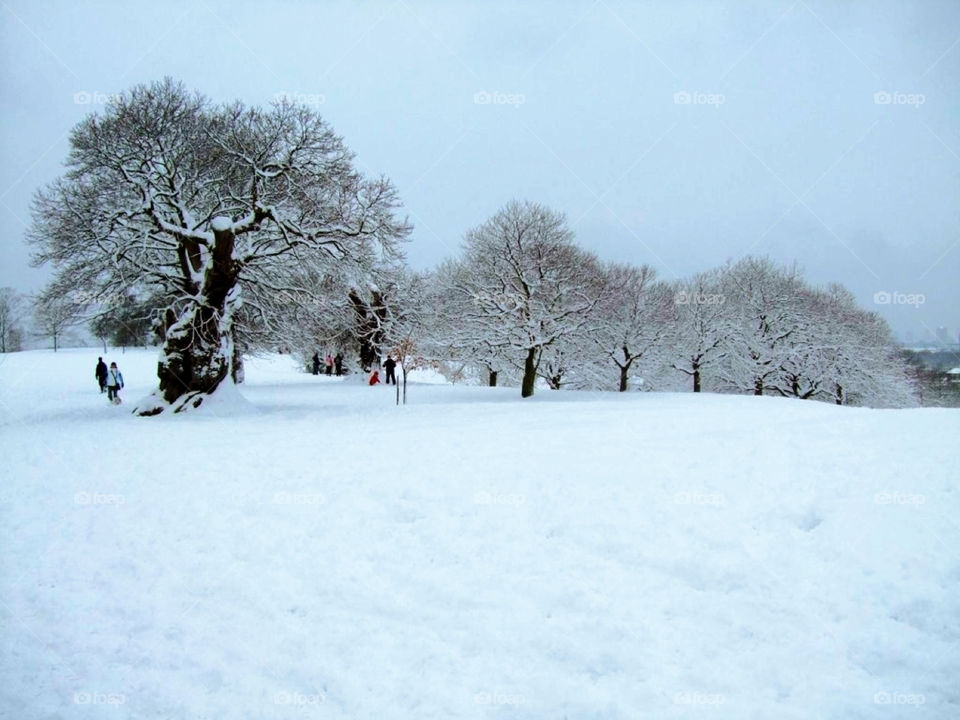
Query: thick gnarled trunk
[{"x": 198, "y": 349}]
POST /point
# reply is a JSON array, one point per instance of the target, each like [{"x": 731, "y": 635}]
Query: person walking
[
  {"x": 338, "y": 363},
  {"x": 390, "y": 365},
  {"x": 114, "y": 384},
  {"x": 316, "y": 363},
  {"x": 101, "y": 374}
]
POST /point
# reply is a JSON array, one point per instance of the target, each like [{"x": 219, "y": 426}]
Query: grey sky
[{"x": 783, "y": 148}]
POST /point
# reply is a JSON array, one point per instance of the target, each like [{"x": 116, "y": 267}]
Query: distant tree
[
  {"x": 636, "y": 318},
  {"x": 468, "y": 344},
  {"x": 126, "y": 320},
  {"x": 11, "y": 316},
  {"x": 702, "y": 326},
  {"x": 369, "y": 318},
  {"x": 766, "y": 302},
  {"x": 403, "y": 318},
  {"x": 526, "y": 284},
  {"x": 53, "y": 315}
]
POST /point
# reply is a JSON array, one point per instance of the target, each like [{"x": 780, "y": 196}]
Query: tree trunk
[
  {"x": 493, "y": 378},
  {"x": 236, "y": 366},
  {"x": 839, "y": 395},
  {"x": 696, "y": 378},
  {"x": 624, "y": 375},
  {"x": 758, "y": 387},
  {"x": 529, "y": 373},
  {"x": 198, "y": 346}
]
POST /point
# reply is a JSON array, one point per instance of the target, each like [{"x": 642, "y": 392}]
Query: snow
[
  {"x": 316, "y": 551},
  {"x": 221, "y": 223}
]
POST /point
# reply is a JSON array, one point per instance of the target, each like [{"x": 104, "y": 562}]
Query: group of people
[
  {"x": 390, "y": 365},
  {"x": 333, "y": 364},
  {"x": 110, "y": 380}
]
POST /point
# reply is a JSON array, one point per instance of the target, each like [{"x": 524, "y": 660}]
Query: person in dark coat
[
  {"x": 338, "y": 363},
  {"x": 316, "y": 363},
  {"x": 389, "y": 365},
  {"x": 101, "y": 374}
]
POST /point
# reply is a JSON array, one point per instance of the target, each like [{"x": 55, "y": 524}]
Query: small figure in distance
[
  {"x": 390, "y": 365},
  {"x": 101, "y": 374},
  {"x": 338, "y": 363},
  {"x": 316, "y": 363},
  {"x": 375, "y": 378},
  {"x": 329, "y": 364},
  {"x": 114, "y": 384}
]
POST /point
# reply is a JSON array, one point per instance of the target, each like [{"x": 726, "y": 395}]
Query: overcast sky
[{"x": 678, "y": 134}]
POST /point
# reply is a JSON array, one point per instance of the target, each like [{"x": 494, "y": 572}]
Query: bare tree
[
  {"x": 54, "y": 314},
  {"x": 457, "y": 340},
  {"x": 636, "y": 318},
  {"x": 526, "y": 284},
  {"x": 702, "y": 326},
  {"x": 205, "y": 203},
  {"x": 400, "y": 320},
  {"x": 11, "y": 315},
  {"x": 766, "y": 300}
]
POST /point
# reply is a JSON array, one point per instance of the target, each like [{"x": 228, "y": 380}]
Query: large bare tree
[
  {"x": 525, "y": 285},
  {"x": 205, "y": 204}
]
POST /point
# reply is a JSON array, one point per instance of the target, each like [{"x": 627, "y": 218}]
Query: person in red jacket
[{"x": 375, "y": 378}]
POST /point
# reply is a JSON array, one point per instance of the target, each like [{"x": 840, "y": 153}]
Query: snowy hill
[{"x": 315, "y": 551}]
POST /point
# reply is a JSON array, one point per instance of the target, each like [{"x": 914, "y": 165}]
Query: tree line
[{"x": 230, "y": 229}]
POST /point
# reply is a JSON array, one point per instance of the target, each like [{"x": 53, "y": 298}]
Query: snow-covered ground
[{"x": 319, "y": 552}]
